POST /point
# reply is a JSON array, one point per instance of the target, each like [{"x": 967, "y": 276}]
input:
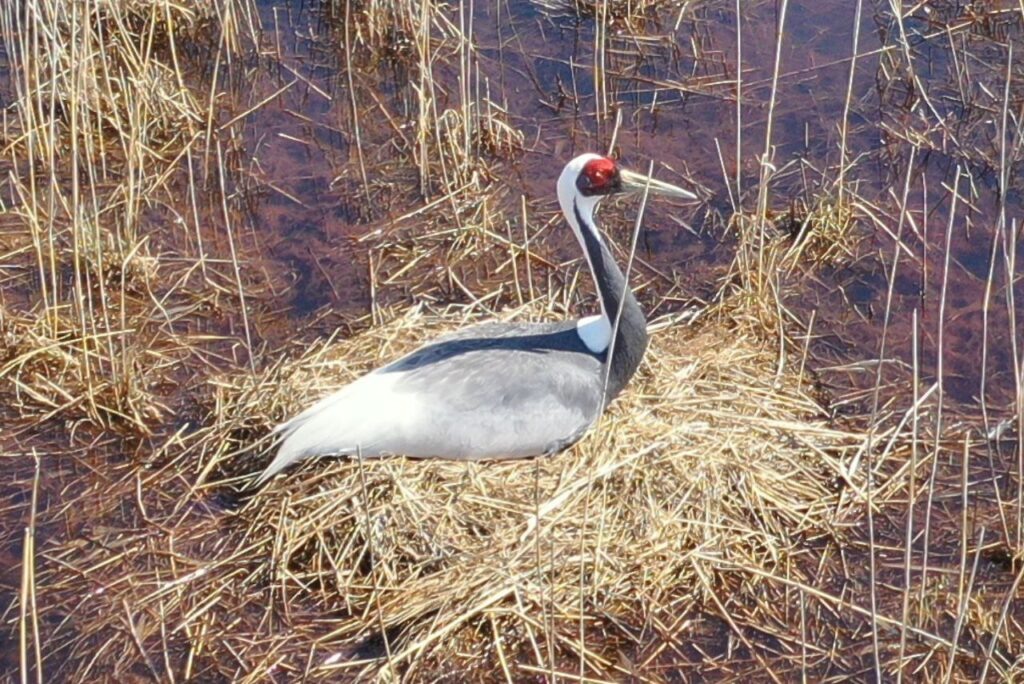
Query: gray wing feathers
[
  {"x": 457, "y": 401},
  {"x": 504, "y": 403},
  {"x": 496, "y": 330}
]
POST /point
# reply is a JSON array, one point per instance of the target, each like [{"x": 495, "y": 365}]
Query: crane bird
[{"x": 496, "y": 390}]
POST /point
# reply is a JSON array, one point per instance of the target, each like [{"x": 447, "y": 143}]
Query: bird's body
[
  {"x": 495, "y": 390},
  {"x": 483, "y": 392}
]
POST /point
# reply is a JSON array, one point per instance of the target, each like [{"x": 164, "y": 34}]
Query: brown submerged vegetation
[{"x": 720, "y": 522}]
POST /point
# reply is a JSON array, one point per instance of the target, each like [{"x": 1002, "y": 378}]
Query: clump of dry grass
[
  {"x": 626, "y": 16},
  {"x": 90, "y": 71},
  {"x": 47, "y": 374},
  {"x": 96, "y": 133},
  {"x": 595, "y": 562},
  {"x": 702, "y": 458},
  {"x": 783, "y": 244},
  {"x": 383, "y": 31},
  {"x": 463, "y": 236},
  {"x": 486, "y": 127},
  {"x": 452, "y": 252},
  {"x": 822, "y": 232},
  {"x": 445, "y": 140}
]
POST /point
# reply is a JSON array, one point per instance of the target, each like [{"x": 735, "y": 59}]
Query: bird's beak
[{"x": 637, "y": 182}]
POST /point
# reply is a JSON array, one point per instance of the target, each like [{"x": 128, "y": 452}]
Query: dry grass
[
  {"x": 721, "y": 520},
  {"x": 712, "y": 462},
  {"x": 626, "y": 16},
  {"x": 93, "y": 146}
]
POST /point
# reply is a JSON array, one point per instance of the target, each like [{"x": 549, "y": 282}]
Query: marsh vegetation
[{"x": 212, "y": 212}]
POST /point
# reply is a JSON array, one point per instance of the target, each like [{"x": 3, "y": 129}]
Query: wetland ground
[{"x": 213, "y": 211}]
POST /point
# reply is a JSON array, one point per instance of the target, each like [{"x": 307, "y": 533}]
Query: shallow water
[{"x": 671, "y": 78}]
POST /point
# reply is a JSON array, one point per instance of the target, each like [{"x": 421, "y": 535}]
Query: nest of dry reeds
[{"x": 597, "y": 562}]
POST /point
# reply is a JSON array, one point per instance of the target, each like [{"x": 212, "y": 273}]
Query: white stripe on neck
[{"x": 595, "y": 332}]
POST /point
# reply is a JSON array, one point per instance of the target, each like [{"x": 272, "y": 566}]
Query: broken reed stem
[
  {"x": 236, "y": 267},
  {"x": 911, "y": 496},
  {"x": 353, "y": 106},
  {"x": 1010, "y": 256},
  {"x": 739, "y": 104},
  {"x": 374, "y": 574},
  {"x": 766, "y": 165},
  {"x": 28, "y": 604},
  {"x": 876, "y": 396},
  {"x": 1011, "y": 596},
  {"x": 964, "y": 593},
  {"x": 939, "y": 375},
  {"x": 841, "y": 181}
]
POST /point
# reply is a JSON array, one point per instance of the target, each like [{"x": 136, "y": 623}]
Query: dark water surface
[{"x": 670, "y": 78}]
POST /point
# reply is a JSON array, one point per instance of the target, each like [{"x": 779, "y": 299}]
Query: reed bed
[
  {"x": 733, "y": 515},
  {"x": 96, "y": 142},
  {"x": 714, "y": 477}
]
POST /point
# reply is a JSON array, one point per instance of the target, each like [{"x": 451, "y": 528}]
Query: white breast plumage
[{"x": 595, "y": 331}]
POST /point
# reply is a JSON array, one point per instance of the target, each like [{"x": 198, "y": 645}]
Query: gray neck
[{"x": 630, "y": 341}]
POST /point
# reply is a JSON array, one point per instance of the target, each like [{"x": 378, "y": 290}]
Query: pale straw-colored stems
[{"x": 939, "y": 374}]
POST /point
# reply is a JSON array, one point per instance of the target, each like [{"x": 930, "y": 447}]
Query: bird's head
[
  {"x": 598, "y": 176},
  {"x": 590, "y": 177}
]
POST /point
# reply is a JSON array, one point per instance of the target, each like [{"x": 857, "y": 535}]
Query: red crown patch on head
[{"x": 599, "y": 172}]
